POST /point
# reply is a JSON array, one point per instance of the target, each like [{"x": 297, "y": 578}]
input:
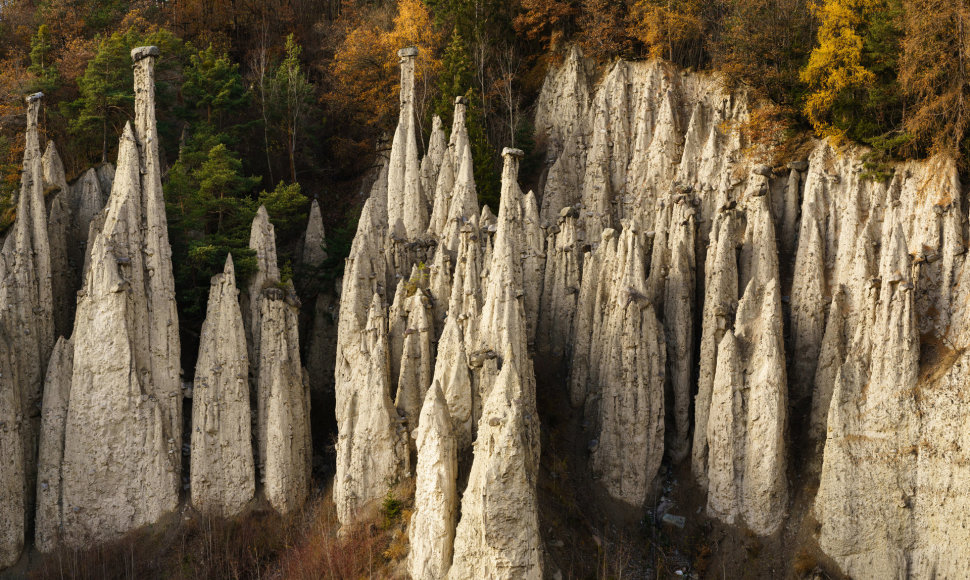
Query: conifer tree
[
  {"x": 934, "y": 73},
  {"x": 213, "y": 90},
  {"x": 851, "y": 73},
  {"x": 41, "y": 61},
  {"x": 457, "y": 79}
]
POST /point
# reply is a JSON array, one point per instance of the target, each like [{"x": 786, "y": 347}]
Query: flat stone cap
[
  {"x": 144, "y": 52},
  {"x": 460, "y": 100},
  {"x": 35, "y": 97},
  {"x": 408, "y": 52},
  {"x": 512, "y": 152}
]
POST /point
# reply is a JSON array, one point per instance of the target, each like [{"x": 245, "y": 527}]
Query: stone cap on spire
[
  {"x": 513, "y": 152},
  {"x": 408, "y": 52},
  {"x": 461, "y": 100},
  {"x": 141, "y": 52},
  {"x": 34, "y": 97}
]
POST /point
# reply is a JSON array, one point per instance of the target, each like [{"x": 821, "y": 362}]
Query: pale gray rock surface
[
  {"x": 223, "y": 473},
  {"x": 12, "y": 477},
  {"x": 417, "y": 361},
  {"x": 118, "y": 406},
  {"x": 432, "y": 527},
  {"x": 627, "y": 453},
  {"x": 498, "y": 535},
  {"x": 125, "y": 398},
  {"x": 57, "y": 394},
  {"x": 26, "y": 320},
  {"x": 314, "y": 241},
  {"x": 405, "y": 198},
  {"x": 748, "y": 418},
  {"x": 372, "y": 448},
  {"x": 262, "y": 240},
  {"x": 678, "y": 323},
  {"x": 720, "y": 304},
  {"x": 283, "y": 403},
  {"x": 561, "y": 287}
]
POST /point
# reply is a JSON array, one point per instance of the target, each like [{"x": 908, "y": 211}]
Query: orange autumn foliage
[{"x": 365, "y": 66}]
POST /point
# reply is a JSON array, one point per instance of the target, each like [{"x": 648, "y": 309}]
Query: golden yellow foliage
[
  {"x": 366, "y": 63},
  {"x": 674, "y": 30},
  {"x": 835, "y": 65}
]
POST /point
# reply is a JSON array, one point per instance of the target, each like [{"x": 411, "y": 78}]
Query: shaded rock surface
[
  {"x": 498, "y": 535},
  {"x": 27, "y": 329},
  {"x": 57, "y": 394}
]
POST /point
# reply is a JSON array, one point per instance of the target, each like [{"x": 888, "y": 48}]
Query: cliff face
[
  {"x": 101, "y": 451},
  {"x": 876, "y": 275},
  {"x": 659, "y": 232}
]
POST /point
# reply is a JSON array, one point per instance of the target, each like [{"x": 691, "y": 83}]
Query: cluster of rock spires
[
  {"x": 701, "y": 307},
  {"x": 91, "y": 426},
  {"x": 704, "y": 307},
  {"x": 438, "y": 310}
]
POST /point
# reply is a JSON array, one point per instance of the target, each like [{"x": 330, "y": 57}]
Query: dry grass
[
  {"x": 375, "y": 548},
  {"x": 194, "y": 548},
  {"x": 259, "y": 544}
]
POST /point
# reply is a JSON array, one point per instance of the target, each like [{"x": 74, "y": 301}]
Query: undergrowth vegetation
[{"x": 307, "y": 545}]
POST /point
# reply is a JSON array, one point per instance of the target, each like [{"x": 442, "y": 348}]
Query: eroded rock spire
[
  {"x": 498, "y": 535},
  {"x": 223, "y": 474},
  {"x": 405, "y": 198},
  {"x": 372, "y": 449},
  {"x": 432, "y": 529},
  {"x": 125, "y": 408},
  {"x": 26, "y": 319},
  {"x": 57, "y": 394}
]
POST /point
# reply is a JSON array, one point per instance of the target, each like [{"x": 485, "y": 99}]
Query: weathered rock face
[
  {"x": 560, "y": 289},
  {"x": 12, "y": 477},
  {"x": 720, "y": 304},
  {"x": 57, "y": 394},
  {"x": 372, "y": 449},
  {"x": 314, "y": 241},
  {"x": 281, "y": 385},
  {"x": 630, "y": 398},
  {"x": 283, "y": 403},
  {"x": 498, "y": 535},
  {"x": 125, "y": 395},
  {"x": 432, "y": 529},
  {"x": 223, "y": 474},
  {"x": 748, "y": 415},
  {"x": 117, "y": 404},
  {"x": 657, "y": 226},
  {"x": 26, "y": 320},
  {"x": 65, "y": 245},
  {"x": 417, "y": 361},
  {"x": 503, "y": 320},
  {"x": 405, "y": 198},
  {"x": 262, "y": 240}
]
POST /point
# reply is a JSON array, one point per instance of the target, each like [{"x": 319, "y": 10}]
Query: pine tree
[
  {"x": 213, "y": 90},
  {"x": 851, "y": 73},
  {"x": 106, "y": 89},
  {"x": 934, "y": 73},
  {"x": 457, "y": 79},
  {"x": 210, "y": 211},
  {"x": 41, "y": 61}
]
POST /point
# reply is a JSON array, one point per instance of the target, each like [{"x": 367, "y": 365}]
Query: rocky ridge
[{"x": 661, "y": 233}]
